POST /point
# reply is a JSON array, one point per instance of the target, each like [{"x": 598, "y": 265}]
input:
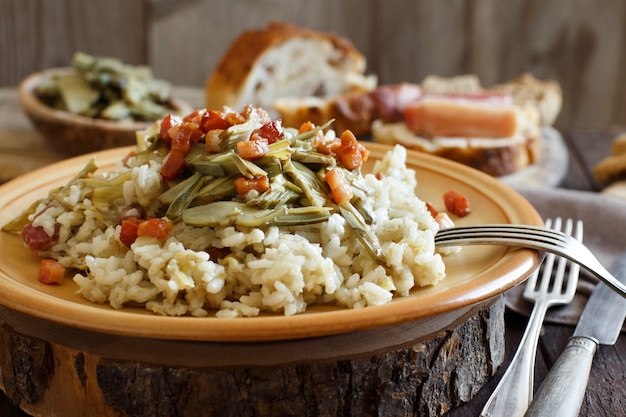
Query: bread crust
[
  {"x": 612, "y": 167},
  {"x": 224, "y": 85}
]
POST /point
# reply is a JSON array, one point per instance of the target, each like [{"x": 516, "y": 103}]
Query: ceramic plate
[{"x": 474, "y": 274}]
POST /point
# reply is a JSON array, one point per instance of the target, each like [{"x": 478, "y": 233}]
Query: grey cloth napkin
[{"x": 604, "y": 220}]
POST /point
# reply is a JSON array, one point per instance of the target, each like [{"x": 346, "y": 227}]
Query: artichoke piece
[
  {"x": 302, "y": 215},
  {"x": 149, "y": 110},
  {"x": 232, "y": 213},
  {"x": 118, "y": 110},
  {"x": 121, "y": 179},
  {"x": 87, "y": 170},
  {"x": 360, "y": 191},
  {"x": 214, "y": 168},
  {"x": 313, "y": 158},
  {"x": 170, "y": 195},
  {"x": 17, "y": 224},
  {"x": 216, "y": 189},
  {"x": 363, "y": 231},
  {"x": 147, "y": 137},
  {"x": 21, "y": 220},
  {"x": 281, "y": 192},
  {"x": 227, "y": 163},
  {"x": 135, "y": 90},
  {"x": 248, "y": 169},
  {"x": 239, "y": 132},
  {"x": 77, "y": 95},
  {"x": 105, "y": 196},
  {"x": 311, "y": 133},
  {"x": 227, "y": 213},
  {"x": 275, "y": 197},
  {"x": 312, "y": 187},
  {"x": 186, "y": 195}
]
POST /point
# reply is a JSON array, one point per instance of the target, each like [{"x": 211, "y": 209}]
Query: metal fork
[
  {"x": 533, "y": 237},
  {"x": 514, "y": 392}
]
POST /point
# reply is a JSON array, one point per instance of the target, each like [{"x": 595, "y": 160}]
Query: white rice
[{"x": 269, "y": 269}]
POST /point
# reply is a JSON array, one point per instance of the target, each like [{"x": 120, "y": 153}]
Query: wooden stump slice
[{"x": 422, "y": 368}]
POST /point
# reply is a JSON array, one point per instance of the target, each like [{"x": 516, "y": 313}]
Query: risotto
[{"x": 230, "y": 214}]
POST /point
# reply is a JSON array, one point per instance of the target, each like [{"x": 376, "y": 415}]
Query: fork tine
[
  {"x": 575, "y": 267},
  {"x": 560, "y": 269}
]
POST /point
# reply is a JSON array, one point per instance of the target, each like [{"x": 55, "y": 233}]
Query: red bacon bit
[
  {"x": 50, "y": 272},
  {"x": 351, "y": 153},
  {"x": 128, "y": 232},
  {"x": 132, "y": 228},
  {"x": 253, "y": 148},
  {"x": 339, "y": 188},
  {"x": 182, "y": 136},
  {"x": 271, "y": 131},
  {"x": 324, "y": 145},
  {"x": 306, "y": 127},
  {"x": 167, "y": 123},
  {"x": 196, "y": 116},
  {"x": 244, "y": 185},
  {"x": 457, "y": 203},
  {"x": 431, "y": 209},
  {"x": 214, "y": 119},
  {"x": 155, "y": 227},
  {"x": 234, "y": 118},
  {"x": 37, "y": 239},
  {"x": 173, "y": 165}
]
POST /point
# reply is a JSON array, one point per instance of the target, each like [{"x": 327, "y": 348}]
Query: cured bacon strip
[{"x": 483, "y": 115}]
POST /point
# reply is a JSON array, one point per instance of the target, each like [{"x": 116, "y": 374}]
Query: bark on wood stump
[{"x": 406, "y": 370}]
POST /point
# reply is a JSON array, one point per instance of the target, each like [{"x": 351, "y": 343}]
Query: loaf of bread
[{"x": 283, "y": 60}]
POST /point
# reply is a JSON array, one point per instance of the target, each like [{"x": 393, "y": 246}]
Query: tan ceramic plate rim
[{"x": 507, "y": 268}]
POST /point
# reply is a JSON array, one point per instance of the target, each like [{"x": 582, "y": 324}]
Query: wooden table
[{"x": 22, "y": 150}]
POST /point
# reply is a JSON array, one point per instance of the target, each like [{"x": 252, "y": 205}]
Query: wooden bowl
[{"x": 75, "y": 134}]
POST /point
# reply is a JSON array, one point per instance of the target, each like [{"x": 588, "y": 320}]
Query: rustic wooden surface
[
  {"x": 579, "y": 43},
  {"x": 22, "y": 150},
  {"x": 62, "y": 371}
]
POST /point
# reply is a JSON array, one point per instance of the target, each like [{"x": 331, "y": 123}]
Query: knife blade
[{"x": 562, "y": 392}]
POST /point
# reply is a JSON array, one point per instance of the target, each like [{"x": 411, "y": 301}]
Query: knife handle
[{"x": 562, "y": 392}]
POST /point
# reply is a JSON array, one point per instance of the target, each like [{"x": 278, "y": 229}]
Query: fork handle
[
  {"x": 515, "y": 390},
  {"x": 562, "y": 392}
]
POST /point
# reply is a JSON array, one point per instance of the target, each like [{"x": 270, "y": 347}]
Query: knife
[{"x": 562, "y": 392}]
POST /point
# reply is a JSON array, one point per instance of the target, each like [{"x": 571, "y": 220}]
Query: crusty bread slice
[
  {"x": 612, "y": 167},
  {"x": 284, "y": 60},
  {"x": 496, "y": 157}
]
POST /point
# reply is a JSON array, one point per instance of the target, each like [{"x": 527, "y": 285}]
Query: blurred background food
[
  {"x": 106, "y": 88},
  {"x": 578, "y": 43},
  {"x": 96, "y": 103}
]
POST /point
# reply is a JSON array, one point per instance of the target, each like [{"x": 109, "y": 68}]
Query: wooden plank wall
[{"x": 580, "y": 43}]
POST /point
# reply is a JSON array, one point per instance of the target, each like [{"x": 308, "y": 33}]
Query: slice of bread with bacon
[{"x": 497, "y": 131}]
